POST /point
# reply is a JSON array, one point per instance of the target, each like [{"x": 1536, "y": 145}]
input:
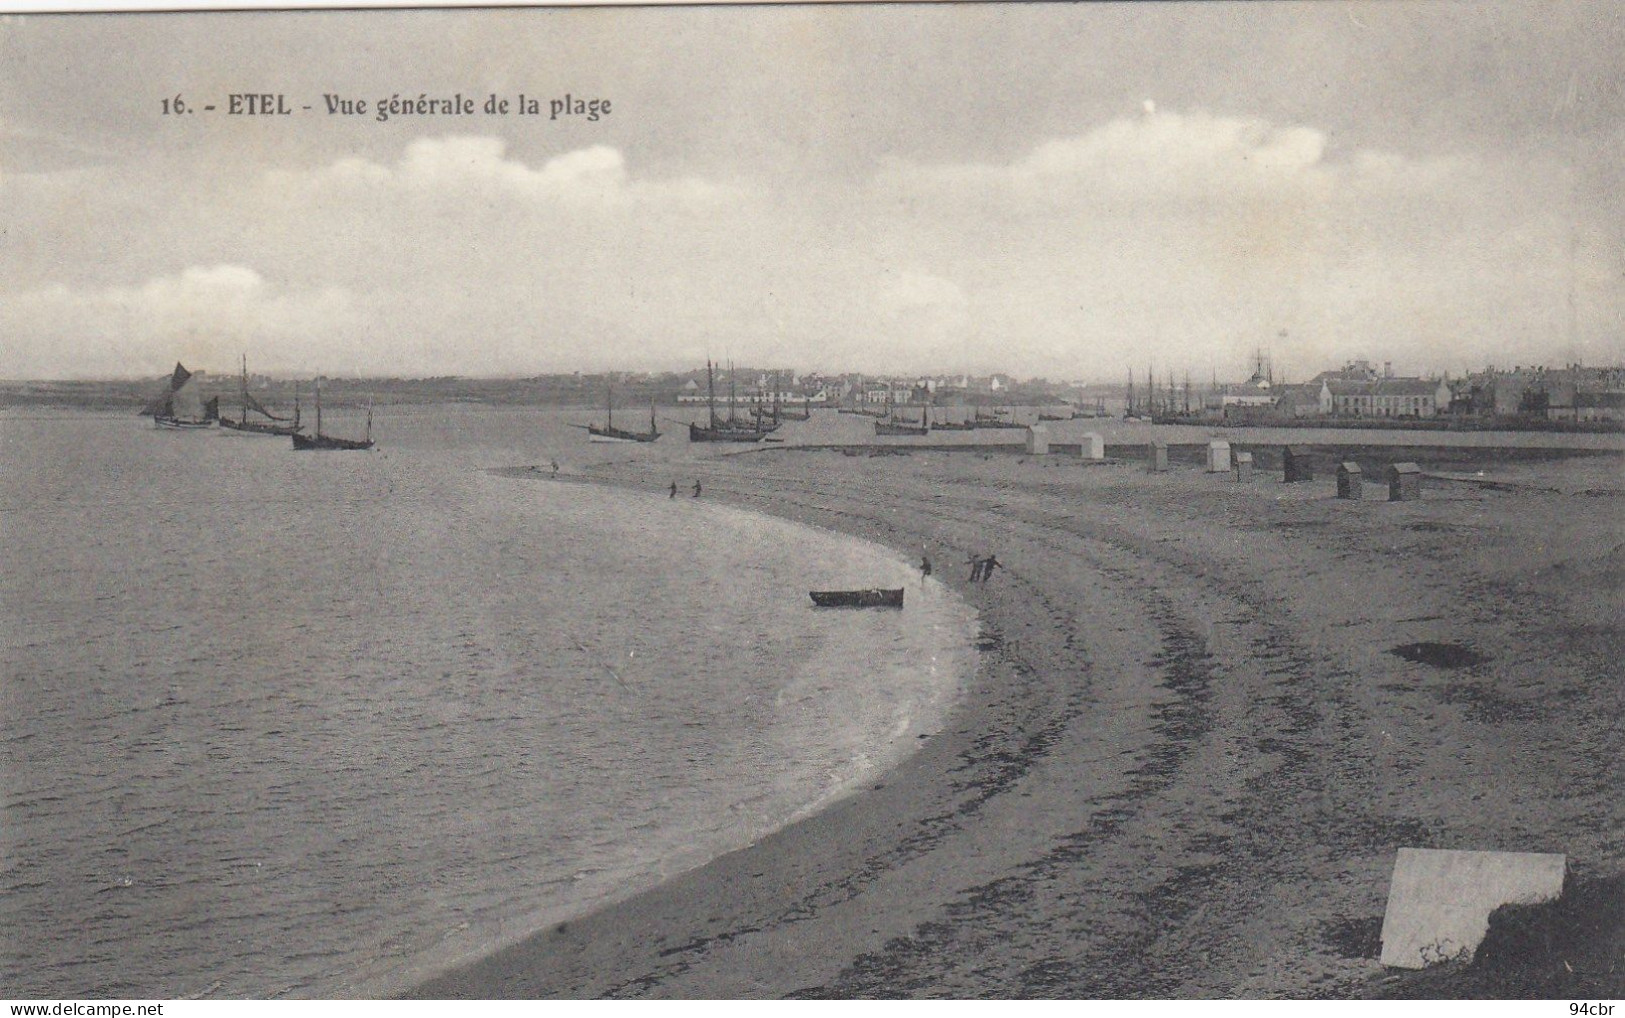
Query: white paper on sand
[{"x": 1440, "y": 901}]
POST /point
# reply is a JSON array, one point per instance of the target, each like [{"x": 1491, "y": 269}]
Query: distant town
[{"x": 1358, "y": 392}]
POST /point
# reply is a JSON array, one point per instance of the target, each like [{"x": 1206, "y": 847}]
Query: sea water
[{"x": 313, "y": 724}]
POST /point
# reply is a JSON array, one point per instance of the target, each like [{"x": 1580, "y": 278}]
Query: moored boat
[
  {"x": 717, "y": 430},
  {"x": 610, "y": 433},
  {"x": 895, "y": 425},
  {"x": 179, "y": 407},
  {"x": 874, "y": 597},
  {"x": 272, "y": 425},
  {"x": 322, "y": 442}
]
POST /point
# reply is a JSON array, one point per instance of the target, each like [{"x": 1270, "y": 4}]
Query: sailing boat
[
  {"x": 273, "y": 425},
  {"x": 997, "y": 420},
  {"x": 328, "y": 442},
  {"x": 804, "y": 414},
  {"x": 897, "y": 426},
  {"x": 179, "y": 407},
  {"x": 721, "y": 431},
  {"x": 610, "y": 433}
]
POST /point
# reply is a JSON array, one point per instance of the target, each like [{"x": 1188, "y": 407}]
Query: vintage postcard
[{"x": 976, "y": 500}]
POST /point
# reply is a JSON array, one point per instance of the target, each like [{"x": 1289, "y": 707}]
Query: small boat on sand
[{"x": 874, "y": 597}]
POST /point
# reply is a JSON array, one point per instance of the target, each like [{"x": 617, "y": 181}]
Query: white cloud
[
  {"x": 1188, "y": 238},
  {"x": 455, "y": 167},
  {"x": 1192, "y": 239},
  {"x": 204, "y": 314}
]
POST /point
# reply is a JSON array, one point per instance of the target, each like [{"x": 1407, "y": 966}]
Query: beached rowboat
[{"x": 872, "y": 598}]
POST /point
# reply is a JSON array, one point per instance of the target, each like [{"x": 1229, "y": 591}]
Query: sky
[{"x": 1056, "y": 190}]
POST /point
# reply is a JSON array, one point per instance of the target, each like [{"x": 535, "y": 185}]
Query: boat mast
[
  {"x": 609, "y": 406},
  {"x": 369, "y": 418},
  {"x": 244, "y": 415},
  {"x": 318, "y": 406},
  {"x": 711, "y": 391}
]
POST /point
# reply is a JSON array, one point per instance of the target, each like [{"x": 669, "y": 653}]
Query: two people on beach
[
  {"x": 982, "y": 566},
  {"x": 674, "y": 490}
]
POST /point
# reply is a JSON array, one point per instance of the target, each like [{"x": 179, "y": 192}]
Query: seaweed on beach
[
  {"x": 1354, "y": 938},
  {"x": 1439, "y": 655}
]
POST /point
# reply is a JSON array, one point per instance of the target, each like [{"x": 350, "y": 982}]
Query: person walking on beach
[
  {"x": 696, "y": 489},
  {"x": 555, "y": 467},
  {"x": 925, "y": 567},
  {"x": 975, "y": 562},
  {"x": 673, "y": 490},
  {"x": 988, "y": 565}
]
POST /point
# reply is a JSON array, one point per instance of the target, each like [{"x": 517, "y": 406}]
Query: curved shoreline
[{"x": 1177, "y": 772}]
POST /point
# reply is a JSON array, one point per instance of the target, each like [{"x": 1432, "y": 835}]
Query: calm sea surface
[{"x": 319, "y": 724}]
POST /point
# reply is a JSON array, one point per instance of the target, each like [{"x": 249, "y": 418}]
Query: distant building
[
  {"x": 1573, "y": 393},
  {"x": 1385, "y": 397},
  {"x": 1242, "y": 398},
  {"x": 1599, "y": 406}
]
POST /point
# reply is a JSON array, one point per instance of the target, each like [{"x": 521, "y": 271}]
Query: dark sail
[
  {"x": 163, "y": 405},
  {"x": 255, "y": 405}
]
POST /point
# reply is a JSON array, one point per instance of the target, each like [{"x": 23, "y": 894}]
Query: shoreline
[{"x": 1152, "y": 709}]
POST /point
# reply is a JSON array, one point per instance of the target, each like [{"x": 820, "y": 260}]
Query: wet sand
[{"x": 1189, "y": 753}]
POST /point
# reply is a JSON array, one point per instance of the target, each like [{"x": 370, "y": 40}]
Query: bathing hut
[
  {"x": 1243, "y": 470},
  {"x": 1218, "y": 456},
  {"x": 1299, "y": 465},
  {"x": 1158, "y": 461},
  {"x": 1404, "y": 482},
  {"x": 1037, "y": 440},
  {"x": 1348, "y": 479},
  {"x": 1093, "y": 447}
]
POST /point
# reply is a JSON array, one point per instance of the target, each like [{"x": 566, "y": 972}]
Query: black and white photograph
[{"x": 900, "y": 501}]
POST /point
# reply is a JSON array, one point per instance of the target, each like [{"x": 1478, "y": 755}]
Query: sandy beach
[{"x": 1190, "y": 751}]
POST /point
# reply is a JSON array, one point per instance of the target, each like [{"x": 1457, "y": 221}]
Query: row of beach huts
[{"x": 1404, "y": 480}]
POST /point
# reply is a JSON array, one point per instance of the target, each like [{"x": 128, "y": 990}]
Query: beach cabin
[
  {"x": 1243, "y": 471},
  {"x": 1348, "y": 479},
  {"x": 1298, "y": 463},
  {"x": 1158, "y": 461},
  {"x": 1037, "y": 440},
  {"x": 1093, "y": 447},
  {"x": 1404, "y": 482},
  {"x": 1218, "y": 456}
]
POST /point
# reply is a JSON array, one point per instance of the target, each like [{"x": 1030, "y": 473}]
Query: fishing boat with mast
[
  {"x": 272, "y": 425},
  {"x": 790, "y": 414},
  {"x": 999, "y": 419},
  {"x": 610, "y": 433},
  {"x": 717, "y": 430},
  {"x": 179, "y": 407},
  {"x": 895, "y": 425},
  {"x": 945, "y": 425},
  {"x": 320, "y": 441}
]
